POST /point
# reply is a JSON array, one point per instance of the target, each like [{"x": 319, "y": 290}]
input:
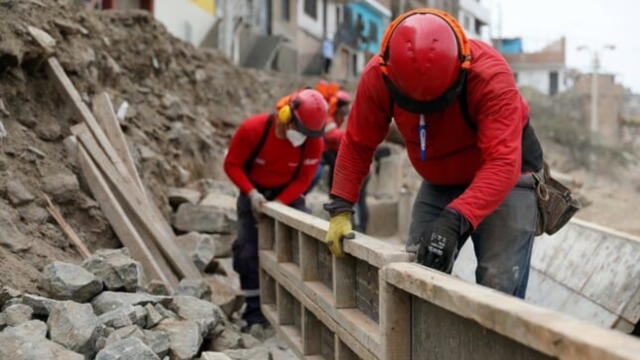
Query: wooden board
[
  {"x": 136, "y": 204},
  {"x": 154, "y": 264},
  {"x": 106, "y": 117},
  {"x": 544, "y": 330},
  {"x": 108, "y": 121}
]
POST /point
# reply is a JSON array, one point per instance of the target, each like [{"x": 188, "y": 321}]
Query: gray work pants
[{"x": 502, "y": 242}]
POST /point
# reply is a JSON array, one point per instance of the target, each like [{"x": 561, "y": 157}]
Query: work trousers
[
  {"x": 245, "y": 256},
  {"x": 502, "y": 242}
]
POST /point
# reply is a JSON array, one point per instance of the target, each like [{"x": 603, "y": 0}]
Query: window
[
  {"x": 515, "y": 77},
  {"x": 311, "y": 8},
  {"x": 373, "y": 31},
  {"x": 553, "y": 82},
  {"x": 337, "y": 16},
  {"x": 286, "y": 10},
  {"x": 347, "y": 16}
]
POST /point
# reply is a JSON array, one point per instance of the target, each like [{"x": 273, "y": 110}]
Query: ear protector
[
  {"x": 464, "y": 50},
  {"x": 285, "y": 113}
]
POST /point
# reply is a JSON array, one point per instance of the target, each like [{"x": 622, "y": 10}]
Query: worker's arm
[
  {"x": 310, "y": 160},
  {"x": 500, "y": 119},
  {"x": 242, "y": 145},
  {"x": 367, "y": 127},
  {"x": 333, "y": 138}
]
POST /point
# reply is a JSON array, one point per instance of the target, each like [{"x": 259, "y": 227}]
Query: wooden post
[
  {"x": 395, "y": 322},
  {"x": 285, "y": 305},
  {"x": 344, "y": 281},
  {"x": 283, "y": 242},
  {"x": 266, "y": 229},
  {"x": 342, "y": 351},
  {"x": 308, "y": 257},
  {"x": 310, "y": 333}
]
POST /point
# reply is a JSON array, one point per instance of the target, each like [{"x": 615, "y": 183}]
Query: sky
[{"x": 594, "y": 23}]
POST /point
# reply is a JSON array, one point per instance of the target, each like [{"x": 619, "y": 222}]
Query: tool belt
[{"x": 556, "y": 205}]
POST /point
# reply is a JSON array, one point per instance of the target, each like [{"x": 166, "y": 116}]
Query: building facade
[
  {"x": 544, "y": 70},
  {"x": 475, "y": 18}
]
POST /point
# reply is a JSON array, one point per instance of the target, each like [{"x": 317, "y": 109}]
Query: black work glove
[{"x": 439, "y": 243}]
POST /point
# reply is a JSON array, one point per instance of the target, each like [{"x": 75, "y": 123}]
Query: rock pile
[{"x": 102, "y": 310}]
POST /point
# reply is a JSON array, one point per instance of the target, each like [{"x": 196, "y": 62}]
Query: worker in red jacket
[
  {"x": 467, "y": 133},
  {"x": 272, "y": 157}
]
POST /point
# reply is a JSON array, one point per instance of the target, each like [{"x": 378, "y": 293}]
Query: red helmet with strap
[
  {"x": 424, "y": 58},
  {"x": 308, "y": 111}
]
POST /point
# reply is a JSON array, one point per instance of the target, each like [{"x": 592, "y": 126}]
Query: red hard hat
[
  {"x": 343, "y": 97},
  {"x": 423, "y": 56},
  {"x": 309, "y": 112}
]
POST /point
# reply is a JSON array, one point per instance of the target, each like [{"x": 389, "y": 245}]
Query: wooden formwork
[
  {"x": 323, "y": 306},
  {"x": 419, "y": 313}
]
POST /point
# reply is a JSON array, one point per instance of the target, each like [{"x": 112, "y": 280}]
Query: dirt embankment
[{"x": 184, "y": 104}]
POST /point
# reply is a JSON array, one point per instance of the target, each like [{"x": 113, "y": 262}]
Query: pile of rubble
[
  {"x": 178, "y": 107},
  {"x": 103, "y": 309}
]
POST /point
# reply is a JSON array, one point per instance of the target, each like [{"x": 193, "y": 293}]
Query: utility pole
[
  {"x": 594, "y": 124},
  {"x": 228, "y": 29}
]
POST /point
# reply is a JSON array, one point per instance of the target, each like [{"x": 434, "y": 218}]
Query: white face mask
[{"x": 295, "y": 137}]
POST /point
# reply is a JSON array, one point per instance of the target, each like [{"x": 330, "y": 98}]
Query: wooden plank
[
  {"x": 363, "y": 352},
  {"x": 106, "y": 118},
  {"x": 266, "y": 231},
  {"x": 395, "y": 322},
  {"x": 441, "y": 334},
  {"x": 108, "y": 121},
  {"x": 283, "y": 242},
  {"x": 342, "y": 351},
  {"x": 154, "y": 264},
  {"x": 137, "y": 204},
  {"x": 310, "y": 333},
  {"x": 344, "y": 281},
  {"x": 308, "y": 257},
  {"x": 374, "y": 251},
  {"x": 284, "y": 304},
  {"x": 67, "y": 229},
  {"x": 544, "y": 330},
  {"x": 71, "y": 95},
  {"x": 355, "y": 323}
]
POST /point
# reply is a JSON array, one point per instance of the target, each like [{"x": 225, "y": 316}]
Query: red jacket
[
  {"x": 275, "y": 164},
  {"x": 489, "y": 158},
  {"x": 333, "y": 136}
]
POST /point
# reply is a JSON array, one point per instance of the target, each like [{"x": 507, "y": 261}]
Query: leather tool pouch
[{"x": 556, "y": 205}]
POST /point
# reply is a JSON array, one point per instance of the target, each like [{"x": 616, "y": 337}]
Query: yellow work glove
[{"x": 339, "y": 228}]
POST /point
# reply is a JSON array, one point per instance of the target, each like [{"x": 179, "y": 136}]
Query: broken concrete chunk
[
  {"x": 33, "y": 330},
  {"x": 185, "y": 337},
  {"x": 126, "y": 349},
  {"x": 247, "y": 341},
  {"x": 110, "y": 300},
  {"x": 17, "y": 193},
  {"x": 66, "y": 281},
  {"x": 123, "y": 333},
  {"x": 227, "y": 297},
  {"x": 17, "y": 314},
  {"x": 35, "y": 214},
  {"x": 8, "y": 293},
  {"x": 116, "y": 269},
  {"x": 208, "y": 315},
  {"x": 48, "y": 131},
  {"x": 62, "y": 187},
  {"x": 214, "y": 356},
  {"x": 223, "y": 243},
  {"x": 208, "y": 219},
  {"x": 204, "y": 253},
  {"x": 153, "y": 316},
  {"x": 42, "y": 38},
  {"x": 228, "y": 339},
  {"x": 157, "y": 287},
  {"x": 75, "y": 326},
  {"x": 30, "y": 347},
  {"x": 40, "y": 305},
  {"x": 198, "y": 288},
  {"x": 158, "y": 341},
  {"x": 70, "y": 28},
  {"x": 179, "y": 196},
  {"x": 10, "y": 237},
  {"x": 118, "y": 318}
]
